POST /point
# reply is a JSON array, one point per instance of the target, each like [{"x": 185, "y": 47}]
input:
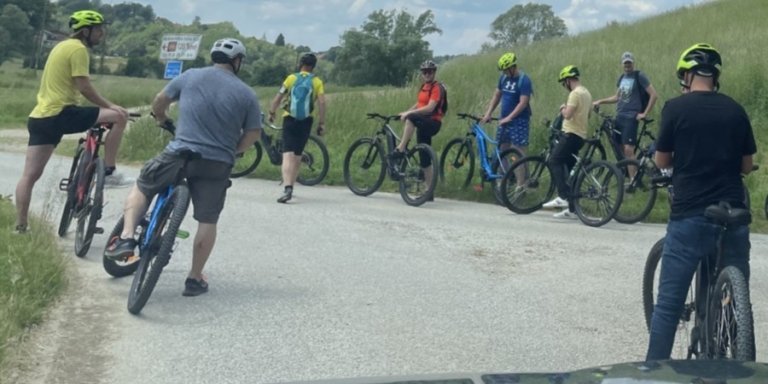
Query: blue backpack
[{"x": 301, "y": 97}]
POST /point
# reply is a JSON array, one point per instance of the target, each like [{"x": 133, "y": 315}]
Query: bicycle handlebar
[
  {"x": 473, "y": 117},
  {"x": 387, "y": 119}
]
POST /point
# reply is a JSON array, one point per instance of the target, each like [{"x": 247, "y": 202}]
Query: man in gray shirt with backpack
[{"x": 634, "y": 99}]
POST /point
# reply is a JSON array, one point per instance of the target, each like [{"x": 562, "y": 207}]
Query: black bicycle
[
  {"x": 596, "y": 185},
  {"x": 314, "y": 158},
  {"x": 720, "y": 311},
  {"x": 85, "y": 188},
  {"x": 367, "y": 162},
  {"x": 639, "y": 191},
  {"x": 457, "y": 162}
]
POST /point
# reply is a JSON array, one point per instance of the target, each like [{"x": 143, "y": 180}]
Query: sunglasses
[{"x": 427, "y": 71}]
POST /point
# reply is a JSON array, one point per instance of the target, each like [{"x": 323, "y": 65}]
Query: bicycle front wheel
[
  {"x": 90, "y": 213},
  {"x": 314, "y": 162},
  {"x": 731, "y": 323},
  {"x": 687, "y": 336},
  {"x": 500, "y": 166},
  {"x": 119, "y": 268},
  {"x": 364, "y": 166},
  {"x": 248, "y": 162},
  {"x": 527, "y": 185},
  {"x": 457, "y": 164},
  {"x": 639, "y": 194},
  {"x": 69, "y": 203},
  {"x": 597, "y": 193},
  {"x": 159, "y": 253},
  {"x": 417, "y": 184}
]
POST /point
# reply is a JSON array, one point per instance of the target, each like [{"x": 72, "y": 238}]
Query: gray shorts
[{"x": 208, "y": 181}]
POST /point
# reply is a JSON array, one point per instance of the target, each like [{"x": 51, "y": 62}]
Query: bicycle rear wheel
[
  {"x": 686, "y": 334},
  {"x": 414, "y": 186},
  {"x": 90, "y": 213},
  {"x": 500, "y": 168},
  {"x": 314, "y": 162},
  {"x": 159, "y": 253},
  {"x": 69, "y": 203},
  {"x": 119, "y": 268},
  {"x": 639, "y": 194},
  {"x": 528, "y": 195},
  {"x": 248, "y": 163},
  {"x": 731, "y": 323},
  {"x": 597, "y": 193},
  {"x": 457, "y": 163},
  {"x": 364, "y": 166}
]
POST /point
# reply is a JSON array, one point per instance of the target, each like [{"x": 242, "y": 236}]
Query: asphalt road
[{"x": 335, "y": 286}]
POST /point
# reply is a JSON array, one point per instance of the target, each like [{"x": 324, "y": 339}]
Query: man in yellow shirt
[
  {"x": 304, "y": 90},
  {"x": 575, "y": 116},
  {"x": 65, "y": 78}
]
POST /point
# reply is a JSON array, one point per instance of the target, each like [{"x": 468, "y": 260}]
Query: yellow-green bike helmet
[
  {"x": 568, "y": 72},
  {"x": 507, "y": 61},
  {"x": 86, "y": 18},
  {"x": 703, "y": 58}
]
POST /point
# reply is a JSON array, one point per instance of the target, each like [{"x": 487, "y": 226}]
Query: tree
[
  {"x": 280, "y": 40},
  {"x": 386, "y": 50},
  {"x": 523, "y": 24},
  {"x": 15, "y": 32}
]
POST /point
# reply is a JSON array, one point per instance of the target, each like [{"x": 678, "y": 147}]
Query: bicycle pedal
[
  {"x": 64, "y": 185},
  {"x": 98, "y": 230}
]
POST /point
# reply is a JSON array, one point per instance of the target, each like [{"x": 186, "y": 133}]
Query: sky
[{"x": 465, "y": 24}]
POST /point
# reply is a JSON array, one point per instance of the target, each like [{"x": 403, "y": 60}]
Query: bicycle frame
[
  {"x": 91, "y": 142},
  {"x": 482, "y": 139},
  {"x": 160, "y": 202}
]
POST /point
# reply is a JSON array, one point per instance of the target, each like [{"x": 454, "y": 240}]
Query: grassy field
[
  {"x": 31, "y": 277},
  {"x": 656, "y": 43}
]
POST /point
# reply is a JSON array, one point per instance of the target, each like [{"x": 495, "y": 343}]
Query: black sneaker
[
  {"x": 287, "y": 195},
  {"x": 21, "y": 229},
  {"x": 120, "y": 249},
  {"x": 194, "y": 287}
]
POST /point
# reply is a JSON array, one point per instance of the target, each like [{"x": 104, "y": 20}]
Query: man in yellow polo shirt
[
  {"x": 65, "y": 78},
  {"x": 297, "y": 118}
]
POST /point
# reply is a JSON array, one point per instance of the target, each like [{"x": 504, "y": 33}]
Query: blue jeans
[{"x": 688, "y": 242}]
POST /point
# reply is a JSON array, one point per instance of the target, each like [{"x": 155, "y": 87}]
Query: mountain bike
[
  {"x": 157, "y": 233},
  {"x": 721, "y": 310},
  {"x": 639, "y": 191},
  {"x": 85, "y": 188},
  {"x": 314, "y": 158},
  {"x": 596, "y": 186},
  {"x": 370, "y": 159},
  {"x": 457, "y": 162}
]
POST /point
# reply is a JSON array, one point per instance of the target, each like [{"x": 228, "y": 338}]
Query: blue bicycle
[
  {"x": 157, "y": 233},
  {"x": 457, "y": 162}
]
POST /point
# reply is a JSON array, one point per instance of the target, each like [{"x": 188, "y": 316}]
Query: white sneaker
[
  {"x": 117, "y": 180},
  {"x": 557, "y": 202},
  {"x": 565, "y": 214}
]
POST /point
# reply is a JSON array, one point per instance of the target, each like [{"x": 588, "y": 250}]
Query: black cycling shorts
[
  {"x": 208, "y": 181},
  {"x": 295, "y": 134},
  {"x": 425, "y": 129},
  {"x": 71, "y": 119}
]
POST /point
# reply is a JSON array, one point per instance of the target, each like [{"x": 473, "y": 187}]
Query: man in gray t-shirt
[
  {"x": 628, "y": 100},
  {"x": 219, "y": 117}
]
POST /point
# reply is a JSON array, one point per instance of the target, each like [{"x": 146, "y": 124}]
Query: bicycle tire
[
  {"x": 639, "y": 194},
  {"x": 458, "y": 156},
  {"x": 309, "y": 172},
  {"x": 66, "y": 215},
  {"x": 90, "y": 213},
  {"x": 528, "y": 196},
  {"x": 686, "y": 334},
  {"x": 356, "y": 178},
  {"x": 118, "y": 268},
  {"x": 510, "y": 155},
  {"x": 600, "y": 151},
  {"x": 740, "y": 312},
  {"x": 151, "y": 264},
  {"x": 413, "y": 187},
  {"x": 248, "y": 163},
  {"x": 765, "y": 208},
  {"x": 594, "y": 184}
]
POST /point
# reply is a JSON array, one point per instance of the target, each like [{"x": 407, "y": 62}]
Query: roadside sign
[
  {"x": 180, "y": 47},
  {"x": 172, "y": 69}
]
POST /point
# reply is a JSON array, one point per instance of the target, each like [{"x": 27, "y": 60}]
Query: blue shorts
[{"x": 514, "y": 132}]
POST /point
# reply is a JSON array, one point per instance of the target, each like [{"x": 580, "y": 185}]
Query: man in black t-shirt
[{"x": 707, "y": 138}]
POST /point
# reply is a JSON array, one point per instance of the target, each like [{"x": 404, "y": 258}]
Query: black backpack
[
  {"x": 644, "y": 96},
  {"x": 442, "y": 105}
]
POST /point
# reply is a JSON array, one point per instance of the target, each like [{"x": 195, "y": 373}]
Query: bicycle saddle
[{"x": 727, "y": 216}]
